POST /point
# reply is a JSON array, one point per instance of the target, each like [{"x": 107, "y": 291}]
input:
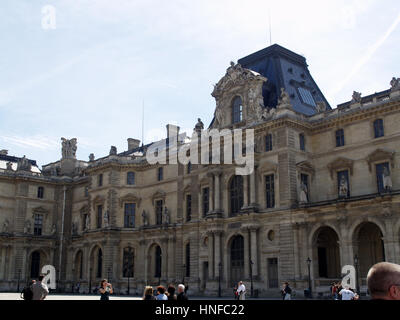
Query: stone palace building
[{"x": 325, "y": 193}]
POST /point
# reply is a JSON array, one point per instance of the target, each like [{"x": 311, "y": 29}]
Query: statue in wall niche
[
  {"x": 356, "y": 97},
  {"x": 87, "y": 223},
  {"x": 106, "y": 219},
  {"x": 395, "y": 83},
  {"x": 387, "y": 180},
  {"x": 5, "y": 225},
  {"x": 303, "y": 193},
  {"x": 343, "y": 187},
  {"x": 145, "y": 218},
  {"x": 91, "y": 157},
  {"x": 53, "y": 229},
  {"x": 27, "y": 227},
  {"x": 24, "y": 164},
  {"x": 113, "y": 151},
  {"x": 9, "y": 166},
  {"x": 69, "y": 148},
  {"x": 74, "y": 228},
  {"x": 166, "y": 216}
]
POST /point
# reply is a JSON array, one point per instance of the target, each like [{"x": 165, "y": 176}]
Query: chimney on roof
[{"x": 133, "y": 143}]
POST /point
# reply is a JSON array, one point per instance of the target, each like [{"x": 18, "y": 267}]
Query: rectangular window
[
  {"x": 130, "y": 178},
  {"x": 268, "y": 142},
  {"x": 160, "y": 174},
  {"x": 306, "y": 96},
  {"x": 159, "y": 211},
  {"x": 206, "y": 200},
  {"x": 343, "y": 184},
  {"x": 378, "y": 128},
  {"x": 188, "y": 207},
  {"x": 99, "y": 216},
  {"x": 270, "y": 191},
  {"x": 38, "y": 225},
  {"x": 100, "y": 180},
  {"x": 129, "y": 217},
  {"x": 304, "y": 180},
  {"x": 40, "y": 192},
  {"x": 380, "y": 168},
  {"x": 273, "y": 273},
  {"x": 340, "y": 138},
  {"x": 302, "y": 142}
]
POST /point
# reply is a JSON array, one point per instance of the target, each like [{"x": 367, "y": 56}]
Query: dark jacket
[
  {"x": 149, "y": 297},
  {"x": 182, "y": 296}
]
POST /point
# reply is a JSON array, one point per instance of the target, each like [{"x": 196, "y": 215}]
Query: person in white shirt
[
  {"x": 347, "y": 294},
  {"x": 241, "y": 290}
]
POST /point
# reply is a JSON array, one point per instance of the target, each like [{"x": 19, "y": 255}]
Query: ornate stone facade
[{"x": 115, "y": 217}]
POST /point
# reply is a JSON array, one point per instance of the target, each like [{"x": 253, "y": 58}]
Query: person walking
[
  {"x": 181, "y": 293},
  {"x": 148, "y": 293},
  {"x": 39, "y": 289},
  {"x": 27, "y": 293},
  {"x": 286, "y": 291},
  {"x": 241, "y": 290},
  {"x": 347, "y": 294},
  {"x": 161, "y": 293},
  {"x": 105, "y": 290},
  {"x": 171, "y": 292}
]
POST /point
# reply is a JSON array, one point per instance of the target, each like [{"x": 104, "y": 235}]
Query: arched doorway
[
  {"x": 369, "y": 247},
  {"x": 78, "y": 265},
  {"x": 96, "y": 263},
  {"x": 327, "y": 253},
  {"x": 154, "y": 264},
  {"x": 236, "y": 195},
  {"x": 237, "y": 259},
  {"x": 35, "y": 265},
  {"x": 158, "y": 262}
]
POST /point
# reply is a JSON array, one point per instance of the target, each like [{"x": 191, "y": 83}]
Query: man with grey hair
[
  {"x": 384, "y": 281},
  {"x": 181, "y": 293}
]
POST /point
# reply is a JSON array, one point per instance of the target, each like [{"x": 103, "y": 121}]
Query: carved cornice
[
  {"x": 340, "y": 163},
  {"x": 380, "y": 155},
  {"x": 130, "y": 197},
  {"x": 306, "y": 166}
]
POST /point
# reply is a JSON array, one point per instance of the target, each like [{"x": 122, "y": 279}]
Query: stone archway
[
  {"x": 326, "y": 253},
  {"x": 37, "y": 260},
  {"x": 155, "y": 263},
  {"x": 78, "y": 266},
  {"x": 369, "y": 246}
]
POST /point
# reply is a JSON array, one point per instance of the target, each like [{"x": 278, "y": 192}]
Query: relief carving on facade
[
  {"x": 69, "y": 148},
  {"x": 395, "y": 84}
]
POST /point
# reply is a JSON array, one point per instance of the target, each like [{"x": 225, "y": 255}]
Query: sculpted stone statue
[
  {"x": 53, "y": 229},
  {"x": 343, "y": 187},
  {"x": 356, "y": 97},
  {"x": 145, "y": 218},
  {"x": 321, "y": 106},
  {"x": 91, "y": 157},
  {"x": 113, "y": 151},
  {"x": 87, "y": 223},
  {"x": 303, "y": 193},
  {"x": 9, "y": 166},
  {"x": 395, "y": 84},
  {"x": 68, "y": 148},
  {"x": 255, "y": 105},
  {"x": 106, "y": 219},
  {"x": 5, "y": 226},
  {"x": 27, "y": 227},
  {"x": 218, "y": 114},
  {"x": 284, "y": 100},
  {"x": 24, "y": 164},
  {"x": 166, "y": 216},
  {"x": 387, "y": 180},
  {"x": 74, "y": 228},
  {"x": 199, "y": 125}
]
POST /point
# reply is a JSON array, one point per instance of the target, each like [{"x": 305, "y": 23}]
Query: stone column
[
  {"x": 296, "y": 230},
  {"x": 253, "y": 188},
  {"x": 246, "y": 253},
  {"x": 245, "y": 192},
  {"x": 217, "y": 193},
  {"x": 3, "y": 252},
  {"x": 171, "y": 259},
  {"x": 217, "y": 252},
  {"x": 253, "y": 250},
  {"x": 210, "y": 256},
  {"x": 164, "y": 258}
]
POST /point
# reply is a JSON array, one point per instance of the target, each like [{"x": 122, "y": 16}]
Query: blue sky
[{"x": 88, "y": 77}]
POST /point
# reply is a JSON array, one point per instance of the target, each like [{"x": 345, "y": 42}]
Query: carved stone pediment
[
  {"x": 380, "y": 155},
  {"x": 159, "y": 195},
  {"x": 340, "y": 163},
  {"x": 40, "y": 210},
  {"x": 243, "y": 83},
  {"x": 130, "y": 197},
  {"x": 98, "y": 200},
  {"x": 187, "y": 188},
  {"x": 84, "y": 209},
  {"x": 306, "y": 166}
]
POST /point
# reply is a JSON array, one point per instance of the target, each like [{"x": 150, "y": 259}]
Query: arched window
[
  {"x": 130, "y": 178},
  {"x": 187, "y": 260},
  {"x": 35, "y": 264},
  {"x": 236, "y": 194},
  {"x": 128, "y": 263},
  {"x": 237, "y": 110},
  {"x": 237, "y": 259},
  {"x": 157, "y": 273},
  {"x": 99, "y": 264}
]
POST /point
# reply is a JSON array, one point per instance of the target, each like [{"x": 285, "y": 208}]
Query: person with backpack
[{"x": 27, "y": 293}]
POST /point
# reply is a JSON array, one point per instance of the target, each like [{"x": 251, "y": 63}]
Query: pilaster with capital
[{"x": 210, "y": 255}]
